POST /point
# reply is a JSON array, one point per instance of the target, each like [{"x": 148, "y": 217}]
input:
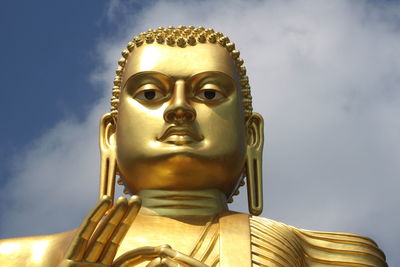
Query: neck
[{"x": 170, "y": 203}]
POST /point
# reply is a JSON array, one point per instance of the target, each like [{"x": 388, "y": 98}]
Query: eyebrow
[
  {"x": 211, "y": 73},
  {"x": 166, "y": 82},
  {"x": 147, "y": 75},
  {"x": 190, "y": 78}
]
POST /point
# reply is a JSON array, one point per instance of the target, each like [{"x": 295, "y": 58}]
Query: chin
[{"x": 180, "y": 173}]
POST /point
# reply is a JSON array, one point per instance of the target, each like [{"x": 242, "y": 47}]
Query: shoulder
[
  {"x": 274, "y": 243},
  {"x": 287, "y": 245},
  {"x": 46, "y": 250},
  {"x": 345, "y": 249}
]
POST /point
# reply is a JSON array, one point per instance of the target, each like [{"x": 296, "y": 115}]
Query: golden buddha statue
[{"x": 182, "y": 136}]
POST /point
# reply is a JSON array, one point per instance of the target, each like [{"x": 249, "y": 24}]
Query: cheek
[
  {"x": 222, "y": 120},
  {"x": 137, "y": 128},
  {"x": 131, "y": 110},
  {"x": 136, "y": 120}
]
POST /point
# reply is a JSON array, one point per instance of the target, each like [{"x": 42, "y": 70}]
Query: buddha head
[{"x": 181, "y": 117}]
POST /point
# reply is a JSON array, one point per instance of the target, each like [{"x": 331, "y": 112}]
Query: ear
[
  {"x": 255, "y": 144},
  {"x": 108, "y": 164}
]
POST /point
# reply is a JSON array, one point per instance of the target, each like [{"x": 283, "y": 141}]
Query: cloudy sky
[{"x": 325, "y": 75}]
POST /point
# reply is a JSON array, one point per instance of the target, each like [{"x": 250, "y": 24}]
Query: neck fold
[{"x": 171, "y": 203}]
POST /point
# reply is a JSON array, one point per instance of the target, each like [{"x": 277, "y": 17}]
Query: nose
[{"x": 179, "y": 110}]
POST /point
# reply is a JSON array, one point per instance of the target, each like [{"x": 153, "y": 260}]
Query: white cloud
[{"x": 325, "y": 77}]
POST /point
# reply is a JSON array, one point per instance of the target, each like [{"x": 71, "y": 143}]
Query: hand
[
  {"x": 172, "y": 258},
  {"x": 96, "y": 241},
  {"x": 161, "y": 256}
]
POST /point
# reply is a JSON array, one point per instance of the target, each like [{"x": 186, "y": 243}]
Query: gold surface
[
  {"x": 235, "y": 240},
  {"x": 175, "y": 138},
  {"x": 181, "y": 135}
]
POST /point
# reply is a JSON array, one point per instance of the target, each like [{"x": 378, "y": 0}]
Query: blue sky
[
  {"x": 324, "y": 75},
  {"x": 48, "y": 51}
]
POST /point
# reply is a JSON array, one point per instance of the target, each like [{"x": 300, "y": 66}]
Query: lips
[{"x": 180, "y": 135}]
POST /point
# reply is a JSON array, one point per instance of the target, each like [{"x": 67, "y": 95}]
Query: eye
[
  {"x": 148, "y": 93},
  {"x": 209, "y": 93}
]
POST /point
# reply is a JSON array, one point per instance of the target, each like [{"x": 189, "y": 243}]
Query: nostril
[
  {"x": 179, "y": 115},
  {"x": 170, "y": 117},
  {"x": 189, "y": 116}
]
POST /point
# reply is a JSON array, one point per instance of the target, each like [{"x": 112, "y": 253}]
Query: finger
[
  {"x": 167, "y": 252},
  {"x": 154, "y": 263},
  {"x": 137, "y": 256},
  {"x": 86, "y": 229},
  {"x": 164, "y": 262},
  {"x": 103, "y": 233},
  {"x": 111, "y": 248},
  {"x": 170, "y": 263}
]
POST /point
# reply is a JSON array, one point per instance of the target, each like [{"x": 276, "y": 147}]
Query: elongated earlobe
[
  {"x": 108, "y": 163},
  {"x": 255, "y": 143}
]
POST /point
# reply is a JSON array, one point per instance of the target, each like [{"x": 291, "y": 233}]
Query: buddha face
[{"x": 180, "y": 119}]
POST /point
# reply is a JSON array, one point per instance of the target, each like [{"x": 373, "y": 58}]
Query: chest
[{"x": 197, "y": 238}]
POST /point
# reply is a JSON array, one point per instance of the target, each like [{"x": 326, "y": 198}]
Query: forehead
[{"x": 180, "y": 62}]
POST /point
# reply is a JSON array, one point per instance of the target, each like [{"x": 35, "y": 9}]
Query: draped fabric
[{"x": 277, "y": 244}]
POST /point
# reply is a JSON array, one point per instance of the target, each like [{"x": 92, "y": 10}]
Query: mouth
[{"x": 178, "y": 135}]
